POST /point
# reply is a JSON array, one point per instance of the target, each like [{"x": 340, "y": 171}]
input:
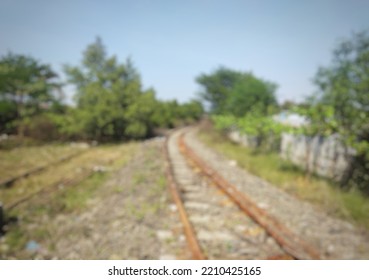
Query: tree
[
  {"x": 344, "y": 86},
  {"x": 192, "y": 111},
  {"x": 251, "y": 94},
  {"x": 26, "y": 88},
  {"x": 235, "y": 92},
  {"x": 217, "y": 87},
  {"x": 8, "y": 113},
  {"x": 110, "y": 100}
]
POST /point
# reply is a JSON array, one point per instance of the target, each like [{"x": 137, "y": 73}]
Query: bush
[{"x": 41, "y": 128}]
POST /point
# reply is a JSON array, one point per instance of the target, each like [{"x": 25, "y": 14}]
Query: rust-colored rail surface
[
  {"x": 65, "y": 182},
  {"x": 289, "y": 242},
  {"x": 192, "y": 241}
]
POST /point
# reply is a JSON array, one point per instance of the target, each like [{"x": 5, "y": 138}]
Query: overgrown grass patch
[
  {"x": 76, "y": 198},
  {"x": 58, "y": 199},
  {"x": 351, "y": 205},
  {"x": 19, "y": 160}
]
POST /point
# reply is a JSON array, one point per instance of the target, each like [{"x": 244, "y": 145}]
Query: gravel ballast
[{"x": 332, "y": 237}]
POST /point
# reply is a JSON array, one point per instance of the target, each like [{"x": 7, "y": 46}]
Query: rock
[
  {"x": 241, "y": 228},
  {"x": 232, "y": 163},
  {"x": 173, "y": 207},
  {"x": 270, "y": 241},
  {"x": 164, "y": 234},
  {"x": 200, "y": 219},
  {"x": 197, "y": 205},
  {"x": 4, "y": 137},
  {"x": 330, "y": 250},
  {"x": 263, "y": 205},
  {"x": 167, "y": 257},
  {"x": 181, "y": 238},
  {"x": 214, "y": 235},
  {"x": 115, "y": 257}
]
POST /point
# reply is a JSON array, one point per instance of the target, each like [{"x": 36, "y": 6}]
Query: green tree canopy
[
  {"x": 217, "y": 87},
  {"x": 112, "y": 104},
  {"x": 251, "y": 94},
  {"x": 344, "y": 89},
  {"x": 110, "y": 98},
  {"x": 235, "y": 92},
  {"x": 344, "y": 85},
  {"x": 26, "y": 87}
]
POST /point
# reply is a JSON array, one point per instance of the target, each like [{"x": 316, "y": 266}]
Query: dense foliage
[
  {"x": 111, "y": 103},
  {"x": 263, "y": 129},
  {"x": 110, "y": 100},
  {"x": 344, "y": 91},
  {"x": 26, "y": 88},
  {"x": 235, "y": 92},
  {"x": 341, "y": 107},
  {"x": 242, "y": 101}
]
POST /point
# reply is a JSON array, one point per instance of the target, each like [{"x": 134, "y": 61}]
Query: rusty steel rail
[
  {"x": 289, "y": 242},
  {"x": 66, "y": 182},
  {"x": 192, "y": 241}
]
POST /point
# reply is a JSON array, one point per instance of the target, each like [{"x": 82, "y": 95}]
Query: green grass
[
  {"x": 350, "y": 205},
  {"x": 76, "y": 198}
]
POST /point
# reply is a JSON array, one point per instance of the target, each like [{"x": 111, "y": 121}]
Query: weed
[
  {"x": 139, "y": 178},
  {"x": 15, "y": 239}
]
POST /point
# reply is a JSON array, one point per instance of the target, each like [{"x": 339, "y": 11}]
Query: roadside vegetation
[
  {"x": 243, "y": 102},
  {"x": 111, "y": 103}
]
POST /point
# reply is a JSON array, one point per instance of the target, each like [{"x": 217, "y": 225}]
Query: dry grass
[
  {"x": 58, "y": 198},
  {"x": 351, "y": 205},
  {"x": 103, "y": 157},
  {"x": 19, "y": 160}
]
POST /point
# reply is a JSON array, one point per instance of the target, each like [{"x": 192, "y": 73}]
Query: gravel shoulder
[{"x": 334, "y": 238}]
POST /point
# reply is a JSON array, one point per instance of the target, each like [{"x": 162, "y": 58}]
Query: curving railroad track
[{"x": 220, "y": 221}]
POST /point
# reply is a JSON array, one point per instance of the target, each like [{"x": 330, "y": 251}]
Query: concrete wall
[
  {"x": 324, "y": 156},
  {"x": 242, "y": 139}
]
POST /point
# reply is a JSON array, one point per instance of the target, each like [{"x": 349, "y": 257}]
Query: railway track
[
  {"x": 10, "y": 181},
  {"x": 219, "y": 221},
  {"x": 66, "y": 181}
]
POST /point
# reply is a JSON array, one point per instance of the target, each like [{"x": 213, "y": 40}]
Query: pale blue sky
[{"x": 171, "y": 42}]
